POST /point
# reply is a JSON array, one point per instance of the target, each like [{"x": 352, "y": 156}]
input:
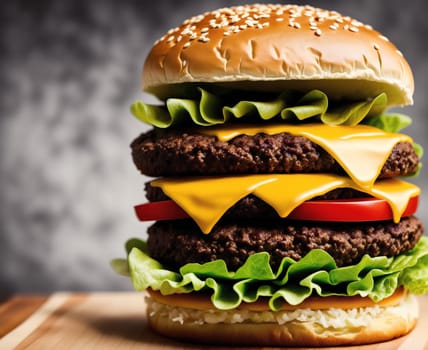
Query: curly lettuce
[
  {"x": 292, "y": 282},
  {"x": 213, "y": 109}
]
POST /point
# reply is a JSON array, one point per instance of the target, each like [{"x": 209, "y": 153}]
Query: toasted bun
[
  {"x": 275, "y": 47},
  {"x": 391, "y": 323},
  {"x": 291, "y": 334}
]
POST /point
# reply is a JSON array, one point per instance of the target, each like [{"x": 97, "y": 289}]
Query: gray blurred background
[{"x": 69, "y": 71}]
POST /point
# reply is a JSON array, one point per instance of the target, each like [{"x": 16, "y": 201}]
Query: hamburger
[{"x": 282, "y": 216}]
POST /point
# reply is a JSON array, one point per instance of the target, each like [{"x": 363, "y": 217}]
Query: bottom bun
[{"x": 302, "y": 327}]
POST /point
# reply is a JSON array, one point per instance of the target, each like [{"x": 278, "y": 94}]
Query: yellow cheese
[
  {"x": 206, "y": 199},
  {"x": 361, "y": 150}
]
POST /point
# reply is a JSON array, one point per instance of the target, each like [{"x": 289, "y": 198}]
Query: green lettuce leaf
[
  {"x": 216, "y": 108},
  {"x": 354, "y": 113},
  {"x": 292, "y": 282},
  {"x": 120, "y": 266},
  {"x": 389, "y": 122},
  {"x": 414, "y": 277},
  {"x": 420, "y": 152}
]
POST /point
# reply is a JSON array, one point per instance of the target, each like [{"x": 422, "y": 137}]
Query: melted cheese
[
  {"x": 206, "y": 199},
  {"x": 201, "y": 301},
  {"x": 361, "y": 150}
]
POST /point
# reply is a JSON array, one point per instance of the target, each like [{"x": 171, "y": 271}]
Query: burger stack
[{"x": 281, "y": 213}]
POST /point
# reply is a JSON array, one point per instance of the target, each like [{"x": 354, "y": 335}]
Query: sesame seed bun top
[{"x": 276, "y": 47}]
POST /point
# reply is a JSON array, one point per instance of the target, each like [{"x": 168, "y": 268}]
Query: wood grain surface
[
  {"x": 17, "y": 310},
  {"x": 117, "y": 320}
]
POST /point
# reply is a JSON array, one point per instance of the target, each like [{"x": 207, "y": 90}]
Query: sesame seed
[
  {"x": 240, "y": 18},
  {"x": 234, "y": 19},
  {"x": 383, "y": 37},
  {"x": 376, "y": 46}
]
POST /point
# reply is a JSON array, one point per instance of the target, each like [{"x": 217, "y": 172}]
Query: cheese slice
[
  {"x": 206, "y": 199},
  {"x": 200, "y": 301},
  {"x": 361, "y": 150}
]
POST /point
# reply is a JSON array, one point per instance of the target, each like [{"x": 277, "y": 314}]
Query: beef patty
[
  {"x": 175, "y": 243},
  {"x": 173, "y": 152}
]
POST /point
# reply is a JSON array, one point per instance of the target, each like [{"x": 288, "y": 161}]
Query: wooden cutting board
[{"x": 117, "y": 320}]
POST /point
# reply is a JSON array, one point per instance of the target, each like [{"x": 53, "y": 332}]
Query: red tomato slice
[
  {"x": 342, "y": 210},
  {"x": 157, "y": 211},
  {"x": 349, "y": 210}
]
